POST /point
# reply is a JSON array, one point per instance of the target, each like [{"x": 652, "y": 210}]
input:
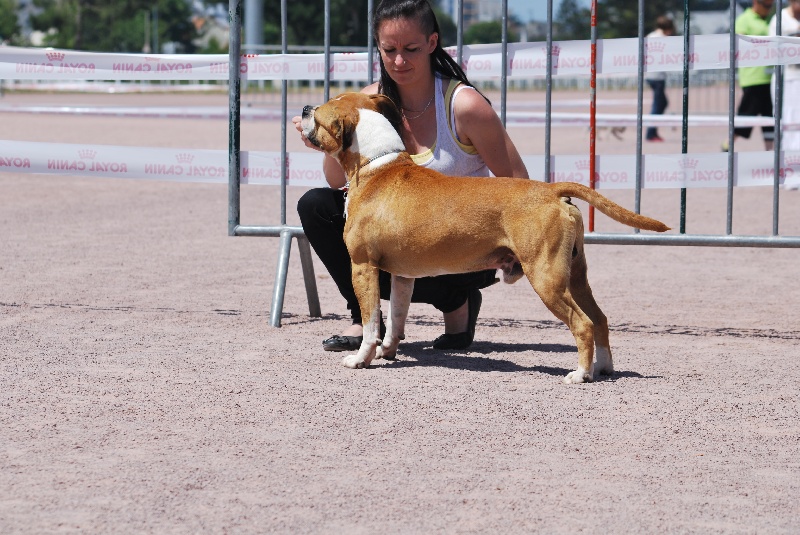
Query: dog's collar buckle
[{"x": 345, "y": 189}]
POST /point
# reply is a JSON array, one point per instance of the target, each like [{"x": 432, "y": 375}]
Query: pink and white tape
[
  {"x": 524, "y": 60},
  {"x": 305, "y": 169}
]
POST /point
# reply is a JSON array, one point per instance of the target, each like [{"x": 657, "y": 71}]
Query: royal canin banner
[
  {"x": 305, "y": 168},
  {"x": 664, "y": 171},
  {"x": 524, "y": 60},
  {"x": 177, "y": 165}
]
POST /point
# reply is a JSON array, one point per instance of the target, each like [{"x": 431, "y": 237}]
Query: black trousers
[
  {"x": 321, "y": 213},
  {"x": 756, "y": 100}
]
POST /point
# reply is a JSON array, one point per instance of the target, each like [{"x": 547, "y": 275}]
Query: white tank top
[{"x": 448, "y": 155}]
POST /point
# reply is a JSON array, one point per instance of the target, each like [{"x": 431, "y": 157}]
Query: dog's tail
[{"x": 608, "y": 207}]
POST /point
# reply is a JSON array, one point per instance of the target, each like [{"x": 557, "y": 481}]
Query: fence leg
[
  {"x": 308, "y": 276},
  {"x": 280, "y": 279}
]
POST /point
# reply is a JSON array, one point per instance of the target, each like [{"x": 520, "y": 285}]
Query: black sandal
[
  {"x": 339, "y": 342},
  {"x": 463, "y": 340}
]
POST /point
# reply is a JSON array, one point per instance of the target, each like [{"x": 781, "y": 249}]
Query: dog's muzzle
[{"x": 307, "y": 123}]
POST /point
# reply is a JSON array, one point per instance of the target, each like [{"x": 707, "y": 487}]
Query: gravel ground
[{"x": 142, "y": 389}]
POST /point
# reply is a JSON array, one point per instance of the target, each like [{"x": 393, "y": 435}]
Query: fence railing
[
  {"x": 716, "y": 79},
  {"x": 548, "y": 67}
]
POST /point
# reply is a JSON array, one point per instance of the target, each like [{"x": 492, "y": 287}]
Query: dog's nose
[{"x": 307, "y": 110}]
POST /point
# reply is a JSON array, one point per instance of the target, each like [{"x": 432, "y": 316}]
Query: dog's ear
[
  {"x": 346, "y": 133},
  {"x": 388, "y": 109}
]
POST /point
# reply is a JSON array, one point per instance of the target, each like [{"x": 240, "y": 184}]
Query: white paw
[
  {"x": 578, "y": 376},
  {"x": 352, "y": 361},
  {"x": 385, "y": 352},
  {"x": 604, "y": 365}
]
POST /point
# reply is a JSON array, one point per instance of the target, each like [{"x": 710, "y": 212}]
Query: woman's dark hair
[{"x": 421, "y": 10}]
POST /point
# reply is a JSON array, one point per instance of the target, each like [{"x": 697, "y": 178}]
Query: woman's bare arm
[{"x": 477, "y": 124}]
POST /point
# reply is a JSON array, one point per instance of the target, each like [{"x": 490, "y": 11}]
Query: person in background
[
  {"x": 755, "y": 81},
  {"x": 658, "y": 80},
  {"x": 449, "y": 126},
  {"x": 790, "y": 111}
]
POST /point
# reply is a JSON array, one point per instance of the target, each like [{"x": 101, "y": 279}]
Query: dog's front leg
[
  {"x": 402, "y": 288},
  {"x": 365, "y": 284}
]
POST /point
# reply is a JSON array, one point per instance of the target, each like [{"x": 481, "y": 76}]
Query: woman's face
[
  {"x": 405, "y": 49},
  {"x": 795, "y": 5}
]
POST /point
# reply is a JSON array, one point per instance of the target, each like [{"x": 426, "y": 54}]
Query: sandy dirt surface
[{"x": 142, "y": 389}]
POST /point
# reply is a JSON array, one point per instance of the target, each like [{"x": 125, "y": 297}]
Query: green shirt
[{"x": 749, "y": 23}]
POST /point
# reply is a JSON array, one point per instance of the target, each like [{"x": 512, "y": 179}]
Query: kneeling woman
[{"x": 447, "y": 126}]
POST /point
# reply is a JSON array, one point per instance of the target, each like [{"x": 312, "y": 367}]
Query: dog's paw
[
  {"x": 578, "y": 376},
  {"x": 604, "y": 364},
  {"x": 387, "y": 353},
  {"x": 352, "y": 361}
]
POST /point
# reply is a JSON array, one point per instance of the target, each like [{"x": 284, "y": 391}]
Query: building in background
[{"x": 474, "y": 10}]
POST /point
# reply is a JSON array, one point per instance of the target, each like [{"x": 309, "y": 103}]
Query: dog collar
[
  {"x": 395, "y": 152},
  {"x": 346, "y": 187}
]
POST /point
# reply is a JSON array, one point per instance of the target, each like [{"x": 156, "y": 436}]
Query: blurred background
[{"x": 189, "y": 26}]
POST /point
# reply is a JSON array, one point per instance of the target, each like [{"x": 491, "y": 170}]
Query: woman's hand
[
  {"x": 299, "y": 127},
  {"x": 330, "y": 167}
]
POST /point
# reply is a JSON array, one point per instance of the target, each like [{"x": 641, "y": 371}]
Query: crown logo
[
  {"x": 792, "y": 161},
  {"x": 147, "y": 58},
  {"x": 277, "y": 161},
  {"x": 556, "y": 50},
  {"x": 184, "y": 157},
  {"x": 759, "y": 42},
  {"x": 582, "y": 165},
  {"x": 689, "y": 163},
  {"x": 249, "y": 55},
  {"x": 87, "y": 154},
  {"x": 55, "y": 56},
  {"x": 655, "y": 46}
]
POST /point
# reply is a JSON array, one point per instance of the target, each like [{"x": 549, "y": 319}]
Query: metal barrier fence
[{"x": 549, "y": 83}]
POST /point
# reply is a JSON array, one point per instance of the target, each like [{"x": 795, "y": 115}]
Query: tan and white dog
[{"x": 414, "y": 222}]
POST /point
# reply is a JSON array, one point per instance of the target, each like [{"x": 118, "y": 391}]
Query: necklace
[{"x": 418, "y": 115}]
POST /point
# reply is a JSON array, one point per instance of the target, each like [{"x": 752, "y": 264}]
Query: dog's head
[{"x": 354, "y": 128}]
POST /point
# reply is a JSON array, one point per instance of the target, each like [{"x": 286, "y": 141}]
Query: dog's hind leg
[
  {"x": 568, "y": 311},
  {"x": 365, "y": 284},
  {"x": 402, "y": 288},
  {"x": 582, "y": 293},
  {"x": 550, "y": 279}
]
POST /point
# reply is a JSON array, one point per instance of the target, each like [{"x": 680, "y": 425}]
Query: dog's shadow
[
  {"x": 421, "y": 353},
  {"x": 415, "y": 354}
]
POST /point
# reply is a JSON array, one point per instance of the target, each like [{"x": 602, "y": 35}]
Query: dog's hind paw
[
  {"x": 577, "y": 377},
  {"x": 386, "y": 353},
  {"x": 352, "y": 361}
]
